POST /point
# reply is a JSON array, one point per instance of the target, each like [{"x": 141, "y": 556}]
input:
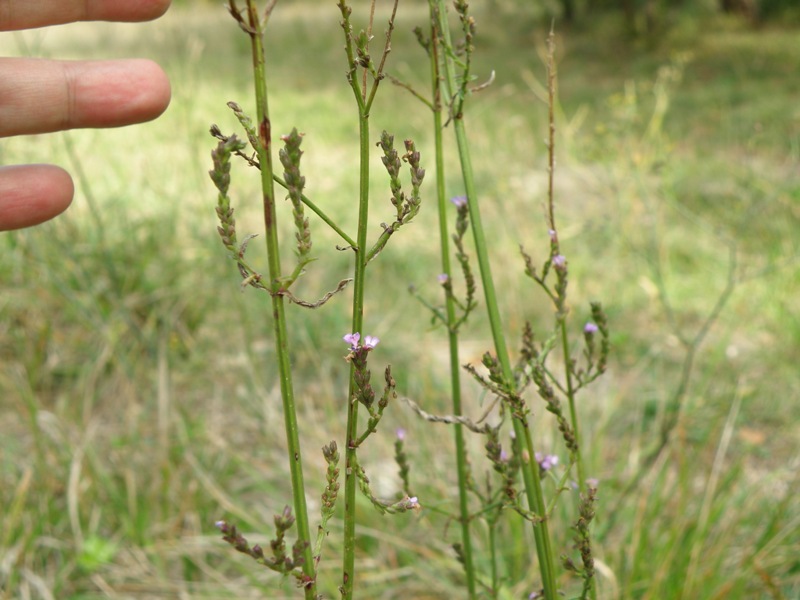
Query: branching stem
[
  {"x": 450, "y": 312},
  {"x": 530, "y": 470},
  {"x": 360, "y": 251},
  {"x": 255, "y": 28}
]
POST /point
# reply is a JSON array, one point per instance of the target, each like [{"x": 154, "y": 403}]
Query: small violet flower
[
  {"x": 352, "y": 339},
  {"x": 401, "y": 434},
  {"x": 413, "y": 503},
  {"x": 589, "y": 328},
  {"x": 592, "y": 483},
  {"x": 546, "y": 461},
  {"x": 553, "y": 235},
  {"x": 459, "y": 201},
  {"x": 443, "y": 278},
  {"x": 559, "y": 261}
]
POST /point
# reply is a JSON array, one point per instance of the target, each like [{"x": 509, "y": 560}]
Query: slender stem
[
  {"x": 573, "y": 416},
  {"x": 551, "y": 130},
  {"x": 386, "y": 49},
  {"x": 351, "y": 60},
  {"x": 551, "y": 217},
  {"x": 451, "y": 319},
  {"x": 369, "y": 36},
  {"x": 364, "y": 103},
  {"x": 278, "y": 308},
  {"x": 319, "y": 212},
  {"x": 561, "y": 317},
  {"x": 350, "y": 479},
  {"x": 570, "y": 392},
  {"x": 530, "y": 470},
  {"x": 493, "y": 550}
]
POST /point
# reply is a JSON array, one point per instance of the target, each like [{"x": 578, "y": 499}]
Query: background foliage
[{"x": 134, "y": 402}]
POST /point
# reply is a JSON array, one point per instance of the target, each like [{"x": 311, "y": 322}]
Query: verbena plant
[{"x": 513, "y": 454}]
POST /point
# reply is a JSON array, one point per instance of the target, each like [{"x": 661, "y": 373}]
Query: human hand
[{"x": 39, "y": 96}]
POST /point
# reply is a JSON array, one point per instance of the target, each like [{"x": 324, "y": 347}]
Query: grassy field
[{"x": 138, "y": 395}]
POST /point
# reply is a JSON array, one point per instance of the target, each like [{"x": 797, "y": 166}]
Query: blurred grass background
[{"x": 138, "y": 401}]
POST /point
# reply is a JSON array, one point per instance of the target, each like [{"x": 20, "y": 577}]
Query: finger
[
  {"x": 32, "y": 194},
  {"x": 37, "y": 96},
  {"x": 24, "y": 14}
]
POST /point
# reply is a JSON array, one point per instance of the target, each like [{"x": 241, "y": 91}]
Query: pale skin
[{"x": 41, "y": 96}]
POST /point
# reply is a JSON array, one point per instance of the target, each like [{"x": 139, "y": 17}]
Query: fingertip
[
  {"x": 159, "y": 7},
  {"x": 143, "y": 94},
  {"x": 43, "y": 95},
  {"x": 136, "y": 10},
  {"x": 26, "y": 14},
  {"x": 33, "y": 194},
  {"x": 117, "y": 93},
  {"x": 151, "y": 95},
  {"x": 164, "y": 86}
]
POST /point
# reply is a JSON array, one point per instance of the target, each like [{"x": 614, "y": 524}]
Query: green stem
[
  {"x": 573, "y": 416},
  {"x": 570, "y": 392},
  {"x": 350, "y": 479},
  {"x": 319, "y": 212},
  {"x": 561, "y": 317},
  {"x": 278, "y": 308},
  {"x": 493, "y": 551},
  {"x": 551, "y": 216},
  {"x": 386, "y": 49},
  {"x": 530, "y": 470},
  {"x": 450, "y": 309},
  {"x": 351, "y": 461}
]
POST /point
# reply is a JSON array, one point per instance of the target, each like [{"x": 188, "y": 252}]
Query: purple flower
[
  {"x": 413, "y": 502},
  {"x": 459, "y": 201},
  {"x": 590, "y": 328},
  {"x": 401, "y": 434},
  {"x": 546, "y": 461},
  {"x": 352, "y": 339},
  {"x": 553, "y": 235},
  {"x": 559, "y": 261},
  {"x": 592, "y": 483},
  {"x": 503, "y": 456},
  {"x": 443, "y": 278}
]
